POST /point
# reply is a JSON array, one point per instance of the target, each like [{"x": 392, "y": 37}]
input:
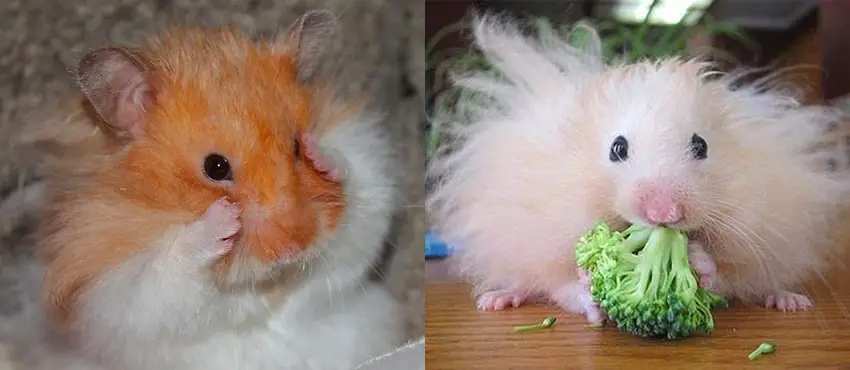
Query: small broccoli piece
[
  {"x": 642, "y": 278},
  {"x": 546, "y": 323},
  {"x": 763, "y": 349}
]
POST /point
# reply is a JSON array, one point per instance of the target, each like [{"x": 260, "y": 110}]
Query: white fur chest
[{"x": 350, "y": 328}]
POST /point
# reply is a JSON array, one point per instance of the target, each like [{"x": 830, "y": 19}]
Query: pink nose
[{"x": 659, "y": 209}]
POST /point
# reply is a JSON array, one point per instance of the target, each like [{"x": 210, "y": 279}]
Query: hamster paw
[
  {"x": 594, "y": 314},
  {"x": 576, "y": 298},
  {"x": 213, "y": 232},
  {"x": 320, "y": 162},
  {"x": 787, "y": 301},
  {"x": 497, "y": 300},
  {"x": 703, "y": 264}
]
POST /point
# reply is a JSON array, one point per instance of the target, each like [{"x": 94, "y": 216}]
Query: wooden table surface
[{"x": 460, "y": 337}]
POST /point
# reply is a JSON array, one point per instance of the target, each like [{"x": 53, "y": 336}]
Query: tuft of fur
[
  {"x": 121, "y": 291},
  {"x": 531, "y": 173}
]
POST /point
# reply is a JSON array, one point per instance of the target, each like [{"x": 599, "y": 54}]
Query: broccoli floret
[{"x": 643, "y": 280}]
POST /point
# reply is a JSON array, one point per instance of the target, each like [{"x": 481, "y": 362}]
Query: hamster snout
[{"x": 659, "y": 204}]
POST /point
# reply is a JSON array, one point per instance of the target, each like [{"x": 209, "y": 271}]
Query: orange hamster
[
  {"x": 561, "y": 139},
  {"x": 219, "y": 208}
]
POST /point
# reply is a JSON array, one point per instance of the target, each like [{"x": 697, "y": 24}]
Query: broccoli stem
[
  {"x": 651, "y": 269},
  {"x": 682, "y": 277},
  {"x": 763, "y": 349},
  {"x": 636, "y": 238},
  {"x": 546, "y": 323}
]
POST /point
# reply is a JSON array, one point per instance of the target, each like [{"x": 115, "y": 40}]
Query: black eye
[
  {"x": 217, "y": 168},
  {"x": 296, "y": 150},
  {"x": 619, "y": 150},
  {"x": 699, "y": 148}
]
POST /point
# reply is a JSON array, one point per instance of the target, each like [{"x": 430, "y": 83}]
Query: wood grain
[{"x": 460, "y": 337}]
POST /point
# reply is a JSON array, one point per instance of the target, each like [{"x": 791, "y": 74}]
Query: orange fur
[{"x": 216, "y": 91}]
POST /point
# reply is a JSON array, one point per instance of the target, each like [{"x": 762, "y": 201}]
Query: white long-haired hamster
[
  {"x": 219, "y": 208},
  {"x": 562, "y": 140}
]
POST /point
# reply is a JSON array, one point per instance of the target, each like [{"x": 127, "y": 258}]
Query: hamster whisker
[
  {"x": 338, "y": 288},
  {"x": 328, "y": 283},
  {"x": 732, "y": 225},
  {"x": 747, "y": 212},
  {"x": 334, "y": 254},
  {"x": 751, "y": 210},
  {"x": 372, "y": 265},
  {"x": 765, "y": 254},
  {"x": 771, "y": 227}
]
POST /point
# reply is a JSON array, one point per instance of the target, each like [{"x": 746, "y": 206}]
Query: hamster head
[
  {"x": 682, "y": 149},
  {"x": 206, "y": 114},
  {"x": 659, "y": 139}
]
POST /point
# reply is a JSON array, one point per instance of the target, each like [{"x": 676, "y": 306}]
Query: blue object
[{"x": 436, "y": 248}]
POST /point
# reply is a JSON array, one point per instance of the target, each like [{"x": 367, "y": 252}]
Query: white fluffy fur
[
  {"x": 152, "y": 313},
  {"x": 531, "y": 172}
]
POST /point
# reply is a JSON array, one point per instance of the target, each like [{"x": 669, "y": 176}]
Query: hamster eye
[
  {"x": 699, "y": 148},
  {"x": 619, "y": 149},
  {"x": 296, "y": 149},
  {"x": 217, "y": 168}
]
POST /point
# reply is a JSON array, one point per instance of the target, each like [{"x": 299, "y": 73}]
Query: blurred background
[
  {"x": 378, "y": 52},
  {"x": 756, "y": 33}
]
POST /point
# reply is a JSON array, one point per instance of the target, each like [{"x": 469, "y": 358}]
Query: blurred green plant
[{"x": 620, "y": 42}]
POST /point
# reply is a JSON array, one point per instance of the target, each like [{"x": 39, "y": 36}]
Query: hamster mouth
[{"x": 683, "y": 225}]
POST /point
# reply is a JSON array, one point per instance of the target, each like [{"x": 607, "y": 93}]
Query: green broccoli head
[{"x": 643, "y": 280}]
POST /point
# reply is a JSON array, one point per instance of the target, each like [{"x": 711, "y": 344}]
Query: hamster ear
[
  {"x": 308, "y": 37},
  {"x": 115, "y": 82}
]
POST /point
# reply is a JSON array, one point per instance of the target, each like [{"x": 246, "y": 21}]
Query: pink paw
[
  {"x": 576, "y": 298},
  {"x": 319, "y": 161},
  {"x": 787, "y": 301},
  {"x": 213, "y": 233},
  {"x": 497, "y": 300},
  {"x": 703, "y": 264},
  {"x": 594, "y": 314}
]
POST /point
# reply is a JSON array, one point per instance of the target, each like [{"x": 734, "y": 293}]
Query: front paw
[
  {"x": 576, "y": 298},
  {"x": 787, "y": 301},
  {"x": 703, "y": 264},
  {"x": 211, "y": 237}
]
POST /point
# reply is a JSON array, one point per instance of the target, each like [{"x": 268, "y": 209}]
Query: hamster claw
[
  {"x": 786, "y": 301},
  {"x": 497, "y": 300}
]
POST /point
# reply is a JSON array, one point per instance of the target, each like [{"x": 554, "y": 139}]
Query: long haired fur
[{"x": 530, "y": 172}]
